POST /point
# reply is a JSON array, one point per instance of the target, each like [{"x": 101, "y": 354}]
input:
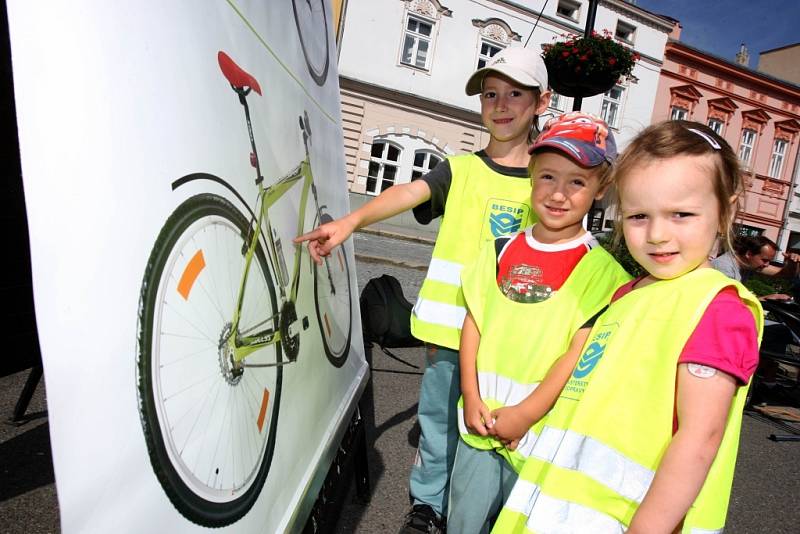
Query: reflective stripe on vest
[
  {"x": 448, "y": 272},
  {"x": 600, "y": 462},
  {"x": 547, "y": 514},
  {"x": 491, "y": 386},
  {"x": 438, "y": 313}
]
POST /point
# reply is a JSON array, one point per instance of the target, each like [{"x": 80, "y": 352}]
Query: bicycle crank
[{"x": 290, "y": 330}]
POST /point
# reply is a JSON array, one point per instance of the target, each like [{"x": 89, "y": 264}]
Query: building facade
[
  {"x": 757, "y": 114},
  {"x": 782, "y": 62},
  {"x": 403, "y": 65}
]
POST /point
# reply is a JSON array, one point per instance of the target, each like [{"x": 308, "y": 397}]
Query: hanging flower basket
[{"x": 587, "y": 66}]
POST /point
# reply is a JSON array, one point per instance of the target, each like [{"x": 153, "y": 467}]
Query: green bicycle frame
[{"x": 244, "y": 344}]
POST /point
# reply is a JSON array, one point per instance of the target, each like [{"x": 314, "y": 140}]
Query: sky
[{"x": 720, "y": 26}]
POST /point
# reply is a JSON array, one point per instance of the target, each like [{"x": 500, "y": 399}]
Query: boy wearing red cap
[{"x": 530, "y": 300}]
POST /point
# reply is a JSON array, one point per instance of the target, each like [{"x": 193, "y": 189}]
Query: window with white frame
[
  {"x": 716, "y": 125},
  {"x": 383, "y": 165},
  {"x": 776, "y": 162},
  {"x": 424, "y": 161},
  {"x": 558, "y": 101},
  {"x": 746, "y": 146},
  {"x": 625, "y": 32},
  {"x": 678, "y": 113},
  {"x": 569, "y": 9},
  {"x": 417, "y": 42},
  {"x": 612, "y": 105},
  {"x": 488, "y": 50}
]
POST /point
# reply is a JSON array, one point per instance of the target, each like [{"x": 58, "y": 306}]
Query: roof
[
  {"x": 735, "y": 65},
  {"x": 779, "y": 48}
]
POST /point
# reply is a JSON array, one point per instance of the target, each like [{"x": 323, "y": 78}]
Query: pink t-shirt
[{"x": 725, "y": 338}]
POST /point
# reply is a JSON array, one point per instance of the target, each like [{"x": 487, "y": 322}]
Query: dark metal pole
[{"x": 578, "y": 101}]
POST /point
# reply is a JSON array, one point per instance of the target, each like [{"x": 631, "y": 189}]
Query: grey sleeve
[
  {"x": 439, "y": 180},
  {"x": 727, "y": 265}
]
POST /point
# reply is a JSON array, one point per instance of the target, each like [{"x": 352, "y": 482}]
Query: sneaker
[{"x": 422, "y": 518}]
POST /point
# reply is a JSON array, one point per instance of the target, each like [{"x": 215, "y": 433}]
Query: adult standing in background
[{"x": 753, "y": 255}]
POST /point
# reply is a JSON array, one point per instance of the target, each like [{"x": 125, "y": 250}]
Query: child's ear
[{"x": 544, "y": 101}]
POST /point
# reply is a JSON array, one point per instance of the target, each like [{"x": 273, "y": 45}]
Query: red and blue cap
[{"x": 583, "y": 137}]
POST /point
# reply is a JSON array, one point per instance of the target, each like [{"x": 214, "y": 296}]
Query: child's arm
[
  {"x": 392, "y": 201},
  {"x": 476, "y": 413},
  {"x": 512, "y": 422},
  {"x": 703, "y": 405}
]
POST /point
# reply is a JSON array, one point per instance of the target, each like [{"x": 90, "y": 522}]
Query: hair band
[{"x": 711, "y": 141}]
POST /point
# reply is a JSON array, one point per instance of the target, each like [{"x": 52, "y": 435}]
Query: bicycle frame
[{"x": 243, "y": 344}]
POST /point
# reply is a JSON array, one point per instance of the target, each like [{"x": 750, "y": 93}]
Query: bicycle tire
[
  {"x": 192, "y": 224},
  {"x": 335, "y": 335},
  {"x": 319, "y": 73}
]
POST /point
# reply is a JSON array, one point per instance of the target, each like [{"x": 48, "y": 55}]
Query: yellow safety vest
[
  {"x": 482, "y": 205},
  {"x": 604, "y": 439},
  {"x": 520, "y": 342}
]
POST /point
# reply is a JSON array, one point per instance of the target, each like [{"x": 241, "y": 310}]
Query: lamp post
[{"x": 590, "y": 17}]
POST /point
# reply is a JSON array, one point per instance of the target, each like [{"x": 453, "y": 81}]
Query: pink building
[{"x": 759, "y": 116}]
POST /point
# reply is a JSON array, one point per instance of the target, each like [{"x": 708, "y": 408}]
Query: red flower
[
  {"x": 575, "y": 50},
  {"x": 565, "y": 53},
  {"x": 612, "y": 61},
  {"x": 583, "y": 57}
]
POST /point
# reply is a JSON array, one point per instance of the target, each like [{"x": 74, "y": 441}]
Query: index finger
[{"x": 316, "y": 233}]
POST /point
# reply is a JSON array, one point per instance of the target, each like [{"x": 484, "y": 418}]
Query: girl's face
[
  {"x": 508, "y": 109},
  {"x": 670, "y": 214}
]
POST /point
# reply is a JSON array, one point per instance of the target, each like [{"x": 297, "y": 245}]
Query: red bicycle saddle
[{"x": 237, "y": 76}]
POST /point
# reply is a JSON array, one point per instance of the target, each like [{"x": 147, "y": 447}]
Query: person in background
[{"x": 751, "y": 255}]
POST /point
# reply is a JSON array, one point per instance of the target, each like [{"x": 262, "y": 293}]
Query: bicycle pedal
[{"x": 305, "y": 322}]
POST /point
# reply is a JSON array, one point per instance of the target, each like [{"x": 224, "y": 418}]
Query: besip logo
[
  {"x": 504, "y": 220},
  {"x": 591, "y": 356}
]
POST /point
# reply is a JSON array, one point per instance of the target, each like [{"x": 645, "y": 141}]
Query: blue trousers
[
  {"x": 437, "y": 414},
  {"x": 480, "y": 483}
]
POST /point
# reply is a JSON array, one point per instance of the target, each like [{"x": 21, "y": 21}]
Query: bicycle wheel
[
  {"x": 333, "y": 302},
  {"x": 210, "y": 429},
  {"x": 312, "y": 28}
]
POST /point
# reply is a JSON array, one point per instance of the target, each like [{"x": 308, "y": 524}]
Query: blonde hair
[{"x": 669, "y": 139}]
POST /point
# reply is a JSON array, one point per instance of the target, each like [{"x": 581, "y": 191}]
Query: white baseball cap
[{"x": 523, "y": 65}]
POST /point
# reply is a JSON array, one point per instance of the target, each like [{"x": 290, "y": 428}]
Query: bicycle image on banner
[{"x": 220, "y": 319}]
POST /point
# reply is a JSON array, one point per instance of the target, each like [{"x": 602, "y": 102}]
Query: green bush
[{"x": 762, "y": 285}]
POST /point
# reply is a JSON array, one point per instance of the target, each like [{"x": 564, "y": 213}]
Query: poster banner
[{"x": 200, "y": 368}]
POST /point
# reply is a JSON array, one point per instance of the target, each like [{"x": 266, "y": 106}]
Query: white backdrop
[{"x": 115, "y": 102}]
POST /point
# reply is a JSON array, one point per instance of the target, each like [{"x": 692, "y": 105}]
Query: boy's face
[
  {"x": 562, "y": 195},
  {"x": 508, "y": 109}
]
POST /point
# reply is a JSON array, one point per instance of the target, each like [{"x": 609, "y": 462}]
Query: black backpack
[{"x": 386, "y": 314}]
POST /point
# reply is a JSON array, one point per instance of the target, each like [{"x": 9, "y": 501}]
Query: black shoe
[{"x": 422, "y": 518}]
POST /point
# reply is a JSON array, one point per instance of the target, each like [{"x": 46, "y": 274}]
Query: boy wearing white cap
[{"x": 479, "y": 196}]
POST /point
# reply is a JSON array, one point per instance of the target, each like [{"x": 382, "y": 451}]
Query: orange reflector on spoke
[
  {"x": 262, "y": 413},
  {"x": 190, "y": 274}
]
